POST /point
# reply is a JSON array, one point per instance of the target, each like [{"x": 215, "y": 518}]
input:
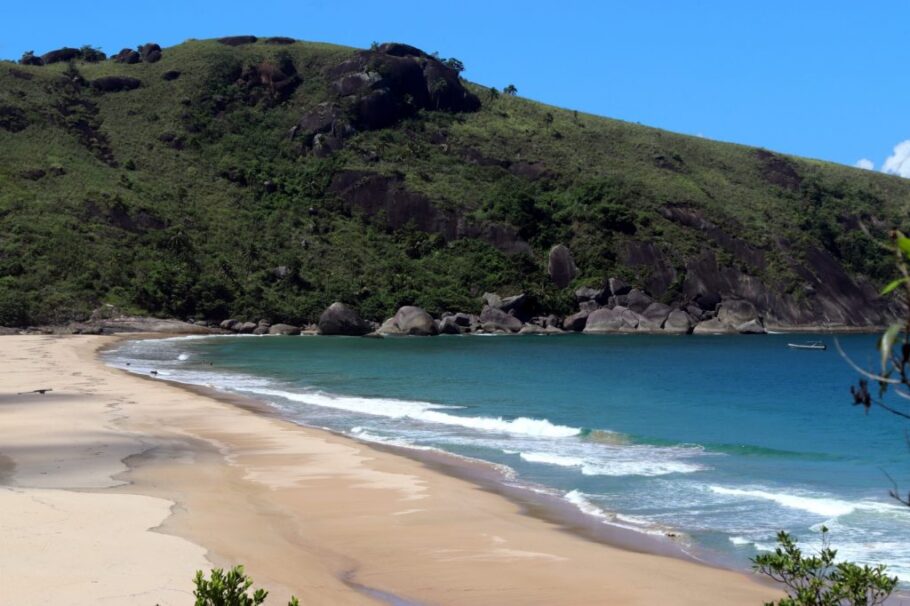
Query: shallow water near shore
[{"x": 722, "y": 440}]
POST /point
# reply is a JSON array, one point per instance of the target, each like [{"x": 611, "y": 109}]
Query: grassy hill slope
[{"x": 194, "y": 195}]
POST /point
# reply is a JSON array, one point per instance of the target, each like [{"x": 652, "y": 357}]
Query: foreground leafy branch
[
  {"x": 816, "y": 580},
  {"x": 229, "y": 589}
]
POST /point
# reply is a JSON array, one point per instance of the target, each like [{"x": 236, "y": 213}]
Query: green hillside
[{"x": 223, "y": 191}]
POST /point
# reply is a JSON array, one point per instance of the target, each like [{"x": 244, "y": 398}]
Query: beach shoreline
[{"x": 328, "y": 518}]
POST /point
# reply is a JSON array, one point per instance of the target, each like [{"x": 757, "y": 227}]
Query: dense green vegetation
[{"x": 187, "y": 197}]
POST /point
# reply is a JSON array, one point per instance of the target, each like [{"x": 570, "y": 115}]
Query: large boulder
[
  {"x": 637, "y": 301},
  {"x": 246, "y": 328},
  {"x": 449, "y": 326},
  {"x": 237, "y": 40},
  {"x": 752, "y": 327},
  {"x": 61, "y": 54},
  {"x": 618, "y": 287},
  {"x": 465, "y": 320},
  {"x": 230, "y": 324},
  {"x": 128, "y": 56},
  {"x": 678, "y": 322},
  {"x": 604, "y": 320},
  {"x": 713, "y": 327},
  {"x": 492, "y": 299},
  {"x": 150, "y": 53},
  {"x": 586, "y": 293},
  {"x": 284, "y": 329},
  {"x": 653, "y": 316},
  {"x": 561, "y": 266},
  {"x": 496, "y": 320},
  {"x": 114, "y": 84},
  {"x": 339, "y": 319},
  {"x": 412, "y": 320},
  {"x": 736, "y": 311},
  {"x": 576, "y": 322},
  {"x": 617, "y": 319}
]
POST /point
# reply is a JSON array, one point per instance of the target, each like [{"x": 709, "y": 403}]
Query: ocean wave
[
  {"x": 425, "y": 412},
  {"x": 827, "y": 507},
  {"x": 603, "y": 436},
  {"x": 581, "y": 501},
  {"x": 628, "y": 461}
]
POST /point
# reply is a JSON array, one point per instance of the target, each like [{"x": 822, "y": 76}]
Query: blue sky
[{"x": 819, "y": 79}]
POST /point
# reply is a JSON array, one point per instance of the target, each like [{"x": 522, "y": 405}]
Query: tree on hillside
[
  {"x": 90, "y": 54},
  {"x": 29, "y": 58},
  {"x": 455, "y": 64},
  {"x": 510, "y": 90}
]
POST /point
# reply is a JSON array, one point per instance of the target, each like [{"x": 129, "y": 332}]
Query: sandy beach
[{"x": 115, "y": 489}]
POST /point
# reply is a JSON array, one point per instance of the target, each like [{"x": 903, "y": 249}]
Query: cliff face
[{"x": 269, "y": 177}]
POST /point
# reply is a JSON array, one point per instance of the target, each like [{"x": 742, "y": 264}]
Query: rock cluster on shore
[{"x": 616, "y": 307}]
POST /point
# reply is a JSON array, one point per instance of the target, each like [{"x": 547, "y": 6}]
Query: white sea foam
[
  {"x": 425, "y": 412},
  {"x": 740, "y": 541},
  {"x": 580, "y": 500},
  {"x": 586, "y": 506},
  {"x": 184, "y": 356},
  {"x": 823, "y": 506},
  {"x": 622, "y": 461}
]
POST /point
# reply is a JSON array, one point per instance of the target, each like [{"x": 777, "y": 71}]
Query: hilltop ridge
[{"x": 267, "y": 178}]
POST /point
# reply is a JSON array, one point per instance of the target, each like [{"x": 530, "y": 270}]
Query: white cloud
[
  {"x": 898, "y": 163},
  {"x": 864, "y": 163}
]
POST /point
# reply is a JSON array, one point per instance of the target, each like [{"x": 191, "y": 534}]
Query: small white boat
[{"x": 808, "y": 345}]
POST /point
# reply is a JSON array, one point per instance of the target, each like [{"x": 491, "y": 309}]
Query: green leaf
[
  {"x": 886, "y": 344},
  {"x": 903, "y": 243},
  {"x": 893, "y": 284}
]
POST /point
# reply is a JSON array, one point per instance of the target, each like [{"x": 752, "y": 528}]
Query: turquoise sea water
[{"x": 724, "y": 440}]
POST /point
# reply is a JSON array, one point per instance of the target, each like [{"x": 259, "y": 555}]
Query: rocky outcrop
[
  {"x": 171, "y": 75},
  {"x": 246, "y": 328},
  {"x": 736, "y": 311},
  {"x": 713, "y": 327},
  {"x": 61, "y": 55},
  {"x": 114, "y": 84},
  {"x": 412, "y": 320},
  {"x": 649, "y": 259},
  {"x": 604, "y": 320},
  {"x": 150, "y": 53},
  {"x": 653, "y": 316},
  {"x": 752, "y": 327},
  {"x": 386, "y": 198},
  {"x": 128, "y": 56},
  {"x": 339, "y": 319},
  {"x": 561, "y": 266},
  {"x": 237, "y": 40},
  {"x": 144, "y": 324},
  {"x": 377, "y": 88},
  {"x": 637, "y": 301},
  {"x": 13, "y": 119},
  {"x": 449, "y": 325},
  {"x": 284, "y": 329},
  {"x": 576, "y": 322},
  {"x": 273, "y": 80},
  {"x": 678, "y": 322},
  {"x": 496, "y": 320}
]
